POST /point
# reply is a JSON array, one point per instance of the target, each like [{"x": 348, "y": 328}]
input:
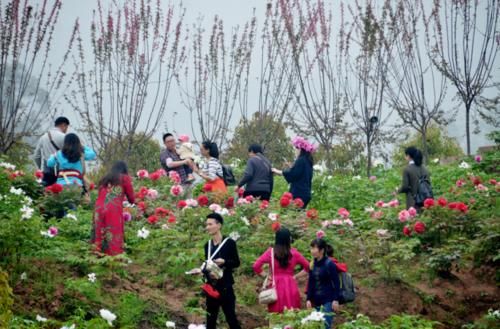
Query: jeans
[{"x": 329, "y": 315}]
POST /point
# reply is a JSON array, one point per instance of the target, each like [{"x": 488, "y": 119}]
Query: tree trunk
[
  {"x": 368, "y": 155},
  {"x": 425, "y": 149},
  {"x": 467, "y": 125}
]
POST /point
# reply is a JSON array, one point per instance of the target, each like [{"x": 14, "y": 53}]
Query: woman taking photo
[
  {"x": 211, "y": 169},
  {"x": 323, "y": 284},
  {"x": 286, "y": 259},
  {"x": 300, "y": 174},
  {"x": 108, "y": 229},
  {"x": 70, "y": 161}
]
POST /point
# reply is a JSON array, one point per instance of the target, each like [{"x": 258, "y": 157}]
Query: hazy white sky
[{"x": 233, "y": 12}]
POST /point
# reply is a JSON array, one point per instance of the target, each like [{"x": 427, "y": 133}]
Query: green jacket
[{"x": 411, "y": 174}]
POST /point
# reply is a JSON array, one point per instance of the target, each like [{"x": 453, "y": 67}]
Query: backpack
[
  {"x": 227, "y": 175},
  {"x": 347, "y": 293},
  {"x": 424, "y": 190}
]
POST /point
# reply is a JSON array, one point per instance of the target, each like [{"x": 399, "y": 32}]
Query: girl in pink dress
[{"x": 286, "y": 260}]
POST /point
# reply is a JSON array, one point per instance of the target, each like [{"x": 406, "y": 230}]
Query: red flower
[
  {"x": 172, "y": 219},
  {"x": 343, "y": 212},
  {"x": 229, "y": 202},
  {"x": 155, "y": 176},
  {"x": 287, "y": 195},
  {"x": 39, "y": 174},
  {"x": 181, "y": 204},
  {"x": 442, "y": 202},
  {"x": 419, "y": 227},
  {"x": 298, "y": 203},
  {"x": 453, "y": 205},
  {"x": 91, "y": 186},
  {"x": 202, "y": 200},
  {"x": 312, "y": 213},
  {"x": 152, "y": 219},
  {"x": 161, "y": 212},
  {"x": 406, "y": 231},
  {"x": 143, "y": 191},
  {"x": 275, "y": 226},
  {"x": 249, "y": 198},
  {"x": 462, "y": 207},
  {"x": 285, "y": 202},
  {"x": 428, "y": 203},
  {"x": 241, "y": 191},
  {"x": 207, "y": 188},
  {"x": 54, "y": 188},
  {"x": 493, "y": 181},
  {"x": 476, "y": 180},
  {"x": 264, "y": 204}
]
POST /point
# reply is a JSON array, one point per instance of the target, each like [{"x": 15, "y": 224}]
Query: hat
[{"x": 183, "y": 138}]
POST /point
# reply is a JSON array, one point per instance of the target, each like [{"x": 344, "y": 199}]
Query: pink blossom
[
  {"x": 373, "y": 178},
  {"x": 242, "y": 201},
  {"x": 379, "y": 204},
  {"x": 343, "y": 212},
  {"x": 183, "y": 138},
  {"x": 478, "y": 158},
  {"x": 143, "y": 173},
  {"x": 412, "y": 211},
  {"x": 53, "y": 231},
  {"x": 325, "y": 224},
  {"x": 152, "y": 194},
  {"x": 191, "y": 203},
  {"x": 320, "y": 234},
  {"x": 394, "y": 203},
  {"x": 377, "y": 214},
  {"x": 337, "y": 222},
  {"x": 460, "y": 183},
  {"x": 404, "y": 215},
  {"x": 215, "y": 207},
  {"x": 348, "y": 222},
  {"x": 302, "y": 143},
  {"x": 174, "y": 176},
  {"x": 176, "y": 190},
  {"x": 127, "y": 217},
  {"x": 481, "y": 187}
]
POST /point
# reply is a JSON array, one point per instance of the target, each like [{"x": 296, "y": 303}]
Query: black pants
[
  {"x": 258, "y": 194},
  {"x": 227, "y": 301}
]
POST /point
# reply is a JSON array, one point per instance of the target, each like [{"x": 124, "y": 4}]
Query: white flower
[
  {"x": 464, "y": 165},
  {"x": 28, "y": 200},
  {"x": 358, "y": 177},
  {"x": 369, "y": 209},
  {"x": 16, "y": 191},
  {"x": 24, "y": 276},
  {"x": 165, "y": 227},
  {"x": 320, "y": 168},
  {"x": 382, "y": 233},
  {"x": 71, "y": 216},
  {"x": 40, "y": 318},
  {"x": 92, "y": 277},
  {"x": 234, "y": 235},
  {"x": 436, "y": 160},
  {"x": 336, "y": 222},
  {"x": 47, "y": 234},
  {"x": 272, "y": 216},
  {"x": 223, "y": 212},
  {"x": 378, "y": 162},
  {"x": 143, "y": 233},
  {"x": 349, "y": 222},
  {"x": 108, "y": 316},
  {"x": 314, "y": 316},
  {"x": 70, "y": 327},
  {"x": 170, "y": 324},
  {"x": 196, "y": 326},
  {"x": 245, "y": 220},
  {"x": 26, "y": 212},
  {"x": 329, "y": 177},
  {"x": 127, "y": 204},
  {"x": 7, "y": 165}
]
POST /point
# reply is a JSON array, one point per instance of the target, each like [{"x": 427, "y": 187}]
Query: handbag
[
  {"x": 209, "y": 265},
  {"x": 269, "y": 295}
]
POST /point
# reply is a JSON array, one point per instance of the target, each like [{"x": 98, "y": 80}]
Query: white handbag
[
  {"x": 210, "y": 265},
  {"x": 269, "y": 295}
]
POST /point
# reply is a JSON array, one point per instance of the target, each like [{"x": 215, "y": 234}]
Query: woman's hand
[
  {"x": 308, "y": 304},
  {"x": 335, "y": 306},
  {"x": 276, "y": 171}
]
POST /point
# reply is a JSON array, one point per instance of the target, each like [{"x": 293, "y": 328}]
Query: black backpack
[
  {"x": 347, "y": 294},
  {"x": 424, "y": 190},
  {"x": 227, "y": 175}
]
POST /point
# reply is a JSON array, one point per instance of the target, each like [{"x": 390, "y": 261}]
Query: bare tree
[
  {"x": 123, "y": 86},
  {"x": 212, "y": 77},
  {"x": 365, "y": 75},
  {"x": 26, "y": 77},
  {"x": 317, "y": 67},
  {"x": 465, "y": 48},
  {"x": 415, "y": 89}
]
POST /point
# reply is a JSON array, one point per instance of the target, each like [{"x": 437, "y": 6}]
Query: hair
[
  {"x": 329, "y": 250},
  {"x": 218, "y": 218},
  {"x": 307, "y": 155},
  {"x": 282, "y": 246},
  {"x": 255, "y": 148},
  {"x": 166, "y": 135},
  {"x": 212, "y": 148},
  {"x": 72, "y": 148},
  {"x": 114, "y": 176},
  {"x": 60, "y": 121},
  {"x": 415, "y": 155},
  {"x": 321, "y": 245}
]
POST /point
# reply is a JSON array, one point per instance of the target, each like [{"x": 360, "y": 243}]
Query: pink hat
[{"x": 183, "y": 138}]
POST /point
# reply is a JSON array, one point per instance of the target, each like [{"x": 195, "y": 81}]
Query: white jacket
[{"x": 44, "y": 149}]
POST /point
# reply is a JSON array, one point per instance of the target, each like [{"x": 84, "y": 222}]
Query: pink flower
[
  {"x": 241, "y": 191},
  {"x": 287, "y": 195},
  {"x": 183, "y": 138},
  {"x": 325, "y": 224},
  {"x": 53, "y": 231},
  {"x": 302, "y": 143},
  {"x": 242, "y": 201},
  {"x": 298, "y": 203},
  {"x": 249, "y": 198},
  {"x": 394, "y": 203},
  {"x": 320, "y": 234},
  {"x": 377, "y": 214},
  {"x": 373, "y": 178},
  {"x": 127, "y": 217},
  {"x": 192, "y": 202},
  {"x": 412, "y": 211},
  {"x": 406, "y": 231},
  {"x": 143, "y": 173},
  {"x": 460, "y": 183},
  {"x": 336, "y": 222},
  {"x": 174, "y": 176},
  {"x": 478, "y": 158},
  {"x": 379, "y": 204},
  {"x": 176, "y": 190},
  {"x": 404, "y": 215},
  {"x": 152, "y": 194},
  {"x": 215, "y": 207},
  {"x": 481, "y": 187},
  {"x": 348, "y": 222},
  {"x": 343, "y": 213},
  {"x": 39, "y": 174}
]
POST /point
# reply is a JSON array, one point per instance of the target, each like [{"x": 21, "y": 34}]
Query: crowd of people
[{"x": 61, "y": 156}]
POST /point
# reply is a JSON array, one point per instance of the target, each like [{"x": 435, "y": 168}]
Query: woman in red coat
[{"x": 108, "y": 230}]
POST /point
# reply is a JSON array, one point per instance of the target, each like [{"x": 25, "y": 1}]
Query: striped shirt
[{"x": 212, "y": 168}]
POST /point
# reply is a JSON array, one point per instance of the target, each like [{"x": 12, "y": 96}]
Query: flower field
[{"x": 434, "y": 269}]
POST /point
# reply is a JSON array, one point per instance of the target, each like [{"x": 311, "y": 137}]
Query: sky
[{"x": 233, "y": 12}]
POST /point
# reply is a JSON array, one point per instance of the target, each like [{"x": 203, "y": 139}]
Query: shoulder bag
[{"x": 269, "y": 295}]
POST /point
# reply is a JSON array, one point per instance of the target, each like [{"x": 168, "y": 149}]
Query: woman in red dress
[{"x": 108, "y": 230}]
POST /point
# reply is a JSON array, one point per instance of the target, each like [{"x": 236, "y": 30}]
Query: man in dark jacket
[
  {"x": 258, "y": 176},
  {"x": 223, "y": 252}
]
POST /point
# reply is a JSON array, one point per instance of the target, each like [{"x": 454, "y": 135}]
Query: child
[{"x": 186, "y": 151}]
